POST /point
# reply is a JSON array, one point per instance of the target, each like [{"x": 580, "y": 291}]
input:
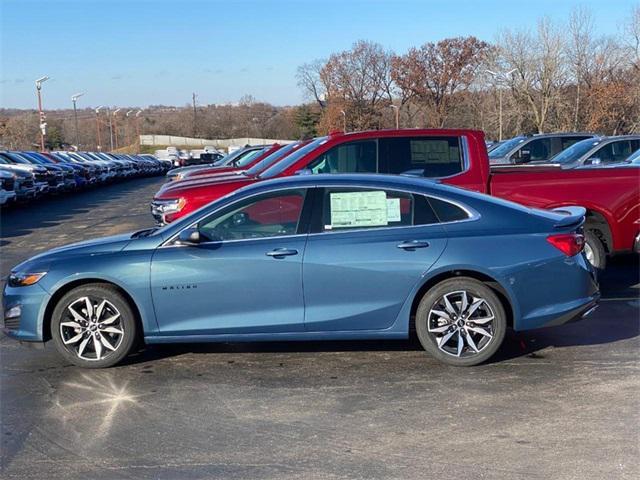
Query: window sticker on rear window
[
  {"x": 393, "y": 210},
  {"x": 360, "y": 209}
]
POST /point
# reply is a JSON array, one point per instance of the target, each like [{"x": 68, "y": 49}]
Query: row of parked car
[
  {"x": 27, "y": 175},
  {"x": 566, "y": 150}
]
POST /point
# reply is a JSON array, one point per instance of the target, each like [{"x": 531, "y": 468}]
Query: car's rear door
[{"x": 368, "y": 249}]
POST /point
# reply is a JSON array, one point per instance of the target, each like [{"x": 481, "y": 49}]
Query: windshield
[
  {"x": 574, "y": 152},
  {"x": 269, "y": 160},
  {"x": 634, "y": 158},
  {"x": 18, "y": 159},
  {"x": 247, "y": 159},
  {"x": 232, "y": 157},
  {"x": 504, "y": 148},
  {"x": 279, "y": 167}
]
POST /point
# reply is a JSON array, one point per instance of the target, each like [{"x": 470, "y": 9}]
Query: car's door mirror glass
[{"x": 189, "y": 236}]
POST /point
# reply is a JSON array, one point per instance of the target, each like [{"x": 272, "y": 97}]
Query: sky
[{"x": 142, "y": 52}]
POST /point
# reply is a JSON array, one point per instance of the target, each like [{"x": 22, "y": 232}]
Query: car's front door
[
  {"x": 245, "y": 275},
  {"x": 368, "y": 249}
]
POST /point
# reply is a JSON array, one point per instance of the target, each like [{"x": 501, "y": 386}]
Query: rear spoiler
[{"x": 573, "y": 216}]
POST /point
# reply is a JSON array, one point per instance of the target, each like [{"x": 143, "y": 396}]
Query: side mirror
[
  {"x": 189, "y": 236},
  {"x": 593, "y": 161},
  {"x": 524, "y": 156}
]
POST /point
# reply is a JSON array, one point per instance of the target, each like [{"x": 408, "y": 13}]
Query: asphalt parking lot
[{"x": 558, "y": 403}]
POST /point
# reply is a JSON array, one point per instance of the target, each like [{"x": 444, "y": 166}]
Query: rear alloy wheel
[
  {"x": 93, "y": 326},
  {"x": 594, "y": 250},
  {"x": 461, "y": 322}
]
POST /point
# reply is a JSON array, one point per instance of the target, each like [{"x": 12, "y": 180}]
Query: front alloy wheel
[
  {"x": 461, "y": 321},
  {"x": 93, "y": 326}
]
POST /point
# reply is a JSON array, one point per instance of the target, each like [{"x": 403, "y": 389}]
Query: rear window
[{"x": 446, "y": 211}]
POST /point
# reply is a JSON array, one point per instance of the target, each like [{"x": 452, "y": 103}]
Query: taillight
[{"x": 568, "y": 243}]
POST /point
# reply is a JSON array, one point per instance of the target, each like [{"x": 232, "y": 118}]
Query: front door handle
[
  {"x": 413, "y": 244},
  {"x": 281, "y": 252}
]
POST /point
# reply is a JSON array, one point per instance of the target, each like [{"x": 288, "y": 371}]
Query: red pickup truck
[{"x": 455, "y": 156}]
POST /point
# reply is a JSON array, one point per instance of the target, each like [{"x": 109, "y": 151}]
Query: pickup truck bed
[{"x": 611, "y": 197}]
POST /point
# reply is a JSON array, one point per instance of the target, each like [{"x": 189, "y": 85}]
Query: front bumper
[
  {"x": 6, "y": 196},
  {"x": 23, "y": 315}
]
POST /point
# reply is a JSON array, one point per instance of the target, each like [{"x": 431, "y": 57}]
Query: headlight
[
  {"x": 25, "y": 279},
  {"x": 163, "y": 207}
]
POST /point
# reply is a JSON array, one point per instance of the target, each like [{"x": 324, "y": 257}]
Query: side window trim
[
  {"x": 316, "y": 224},
  {"x": 307, "y": 198}
]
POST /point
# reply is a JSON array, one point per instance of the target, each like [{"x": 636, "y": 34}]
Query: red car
[
  {"x": 457, "y": 157},
  {"x": 242, "y": 164},
  {"x": 442, "y": 152}
]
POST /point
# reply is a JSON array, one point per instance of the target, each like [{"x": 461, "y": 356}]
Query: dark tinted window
[
  {"x": 616, "y": 151},
  {"x": 358, "y": 208},
  {"x": 428, "y": 156},
  {"x": 447, "y": 212},
  {"x": 536, "y": 150},
  {"x": 353, "y": 157}
]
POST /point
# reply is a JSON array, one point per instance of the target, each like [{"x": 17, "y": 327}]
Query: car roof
[{"x": 347, "y": 179}]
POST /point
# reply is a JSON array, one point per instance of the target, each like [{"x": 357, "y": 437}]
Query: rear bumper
[
  {"x": 577, "y": 313},
  {"x": 555, "y": 292}
]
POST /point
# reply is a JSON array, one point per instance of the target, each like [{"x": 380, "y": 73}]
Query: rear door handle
[
  {"x": 413, "y": 244},
  {"x": 281, "y": 252}
]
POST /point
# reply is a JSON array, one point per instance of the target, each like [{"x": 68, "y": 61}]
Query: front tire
[
  {"x": 461, "y": 322},
  {"x": 93, "y": 326}
]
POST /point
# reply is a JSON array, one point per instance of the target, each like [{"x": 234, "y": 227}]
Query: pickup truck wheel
[
  {"x": 461, "y": 322},
  {"x": 594, "y": 250},
  {"x": 93, "y": 326}
]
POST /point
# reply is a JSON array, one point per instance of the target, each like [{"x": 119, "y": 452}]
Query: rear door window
[
  {"x": 426, "y": 156},
  {"x": 366, "y": 208}
]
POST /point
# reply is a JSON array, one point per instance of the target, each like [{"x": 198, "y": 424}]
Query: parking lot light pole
[
  {"x": 397, "y": 112},
  {"x": 98, "y": 136},
  {"x": 43, "y": 124},
  {"x": 344, "y": 121},
  {"x": 138, "y": 129},
  {"x": 126, "y": 126},
  {"x": 74, "y": 99},
  {"x": 500, "y": 77},
  {"x": 115, "y": 125}
]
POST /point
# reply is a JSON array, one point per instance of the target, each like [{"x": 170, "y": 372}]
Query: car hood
[
  {"x": 41, "y": 262},
  {"x": 180, "y": 187},
  {"x": 26, "y": 168}
]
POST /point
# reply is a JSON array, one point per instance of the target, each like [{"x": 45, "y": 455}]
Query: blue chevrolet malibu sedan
[{"x": 313, "y": 258}]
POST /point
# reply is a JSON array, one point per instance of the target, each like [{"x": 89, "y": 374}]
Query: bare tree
[
  {"x": 541, "y": 72},
  {"x": 435, "y": 72}
]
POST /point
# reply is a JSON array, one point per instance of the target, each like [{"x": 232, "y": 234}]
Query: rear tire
[
  {"x": 93, "y": 326},
  {"x": 594, "y": 250},
  {"x": 461, "y": 322}
]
